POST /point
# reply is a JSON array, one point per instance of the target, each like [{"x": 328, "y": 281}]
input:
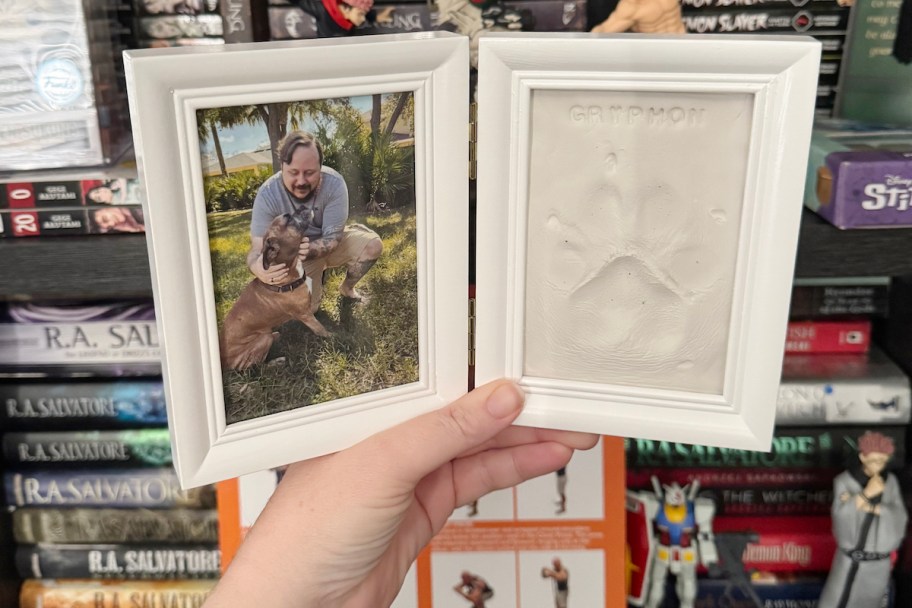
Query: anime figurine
[
  {"x": 341, "y": 17},
  {"x": 869, "y": 520},
  {"x": 644, "y": 17},
  {"x": 675, "y": 529}
]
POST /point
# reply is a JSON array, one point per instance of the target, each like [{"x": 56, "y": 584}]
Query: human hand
[
  {"x": 274, "y": 275},
  {"x": 342, "y": 530},
  {"x": 874, "y": 487},
  {"x": 304, "y": 249}
]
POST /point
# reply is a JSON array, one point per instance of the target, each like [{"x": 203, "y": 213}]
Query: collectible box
[
  {"x": 737, "y": 5},
  {"x": 876, "y": 82},
  {"x": 776, "y": 20},
  {"x": 860, "y": 175},
  {"x": 63, "y": 104},
  {"x": 287, "y": 22}
]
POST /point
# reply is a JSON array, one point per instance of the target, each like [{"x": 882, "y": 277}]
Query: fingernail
[{"x": 506, "y": 400}]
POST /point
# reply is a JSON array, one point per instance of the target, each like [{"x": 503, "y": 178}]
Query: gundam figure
[{"x": 669, "y": 532}]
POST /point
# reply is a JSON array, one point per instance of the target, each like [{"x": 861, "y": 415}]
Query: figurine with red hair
[
  {"x": 869, "y": 520},
  {"x": 340, "y": 17}
]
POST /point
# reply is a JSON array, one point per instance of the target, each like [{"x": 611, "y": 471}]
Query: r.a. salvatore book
[
  {"x": 128, "y": 448},
  {"x": 123, "y": 488},
  {"x": 100, "y": 525},
  {"x": 82, "y": 593},
  {"x": 792, "y": 447},
  {"x": 770, "y": 501},
  {"x": 122, "y": 332},
  {"x": 110, "y": 404},
  {"x": 843, "y": 389},
  {"x": 639, "y": 478},
  {"x": 152, "y": 561}
]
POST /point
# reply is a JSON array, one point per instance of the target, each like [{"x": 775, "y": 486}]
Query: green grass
[{"x": 374, "y": 346}]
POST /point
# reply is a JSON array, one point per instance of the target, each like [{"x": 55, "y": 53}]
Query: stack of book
[
  {"x": 826, "y": 20},
  {"x": 72, "y": 202},
  {"x": 88, "y": 466},
  {"x": 161, "y": 24},
  {"x": 775, "y": 507},
  {"x": 288, "y": 21}
]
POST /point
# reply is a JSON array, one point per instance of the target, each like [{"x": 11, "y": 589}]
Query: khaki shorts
[
  {"x": 560, "y": 599},
  {"x": 355, "y": 237}
]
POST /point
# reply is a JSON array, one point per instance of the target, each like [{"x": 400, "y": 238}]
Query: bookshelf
[
  {"x": 77, "y": 268},
  {"x": 117, "y": 266}
]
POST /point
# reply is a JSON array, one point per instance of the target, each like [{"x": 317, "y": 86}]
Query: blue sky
[{"x": 248, "y": 138}]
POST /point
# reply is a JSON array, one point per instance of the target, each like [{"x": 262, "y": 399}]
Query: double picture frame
[{"x": 638, "y": 204}]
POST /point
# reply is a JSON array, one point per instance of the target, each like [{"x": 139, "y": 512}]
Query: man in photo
[
  {"x": 474, "y": 588},
  {"x": 561, "y": 578},
  {"x": 305, "y": 184}
]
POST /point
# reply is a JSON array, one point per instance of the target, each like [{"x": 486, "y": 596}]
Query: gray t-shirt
[{"x": 330, "y": 205}]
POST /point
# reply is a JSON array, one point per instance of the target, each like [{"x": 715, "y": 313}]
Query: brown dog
[{"x": 247, "y": 334}]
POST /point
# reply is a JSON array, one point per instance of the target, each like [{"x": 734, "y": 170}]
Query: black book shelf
[
  {"x": 117, "y": 266},
  {"x": 75, "y": 268}
]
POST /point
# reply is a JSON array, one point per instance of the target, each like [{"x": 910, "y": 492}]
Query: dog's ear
[{"x": 270, "y": 251}]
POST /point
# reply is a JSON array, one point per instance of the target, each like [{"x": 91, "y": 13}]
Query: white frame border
[
  {"x": 165, "y": 88},
  {"x": 781, "y": 74}
]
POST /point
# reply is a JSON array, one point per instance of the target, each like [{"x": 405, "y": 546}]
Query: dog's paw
[{"x": 277, "y": 362}]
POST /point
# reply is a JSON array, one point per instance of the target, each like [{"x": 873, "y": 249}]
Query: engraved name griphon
[{"x": 638, "y": 115}]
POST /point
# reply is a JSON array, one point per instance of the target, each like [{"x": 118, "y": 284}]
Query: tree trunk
[
  {"x": 218, "y": 147},
  {"x": 275, "y": 115},
  {"x": 397, "y": 111},
  {"x": 376, "y": 109}
]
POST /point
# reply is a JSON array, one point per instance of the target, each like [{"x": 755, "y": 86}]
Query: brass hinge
[
  {"x": 473, "y": 140},
  {"x": 471, "y": 332}
]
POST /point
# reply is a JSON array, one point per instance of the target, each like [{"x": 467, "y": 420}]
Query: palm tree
[{"x": 209, "y": 121}]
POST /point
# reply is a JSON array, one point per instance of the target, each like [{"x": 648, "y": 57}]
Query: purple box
[{"x": 860, "y": 176}]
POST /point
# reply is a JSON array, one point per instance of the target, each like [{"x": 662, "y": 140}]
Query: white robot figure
[{"x": 681, "y": 538}]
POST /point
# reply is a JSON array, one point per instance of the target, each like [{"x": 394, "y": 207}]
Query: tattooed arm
[{"x": 318, "y": 248}]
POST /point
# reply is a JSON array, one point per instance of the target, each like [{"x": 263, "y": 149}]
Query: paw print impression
[{"x": 631, "y": 263}]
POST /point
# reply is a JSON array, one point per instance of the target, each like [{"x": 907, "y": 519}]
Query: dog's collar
[{"x": 287, "y": 287}]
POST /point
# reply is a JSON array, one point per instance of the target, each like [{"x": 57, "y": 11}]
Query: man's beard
[{"x": 308, "y": 195}]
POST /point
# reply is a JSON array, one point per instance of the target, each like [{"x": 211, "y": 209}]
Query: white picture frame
[
  {"x": 725, "y": 395},
  {"x": 166, "y": 89},
  {"x": 764, "y": 85}
]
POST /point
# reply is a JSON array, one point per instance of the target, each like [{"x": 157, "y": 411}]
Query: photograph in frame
[{"x": 297, "y": 329}]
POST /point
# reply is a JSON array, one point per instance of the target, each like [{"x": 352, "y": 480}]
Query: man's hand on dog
[
  {"x": 304, "y": 249},
  {"x": 274, "y": 275}
]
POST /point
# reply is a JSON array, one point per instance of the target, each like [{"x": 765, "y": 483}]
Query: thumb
[{"x": 423, "y": 444}]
